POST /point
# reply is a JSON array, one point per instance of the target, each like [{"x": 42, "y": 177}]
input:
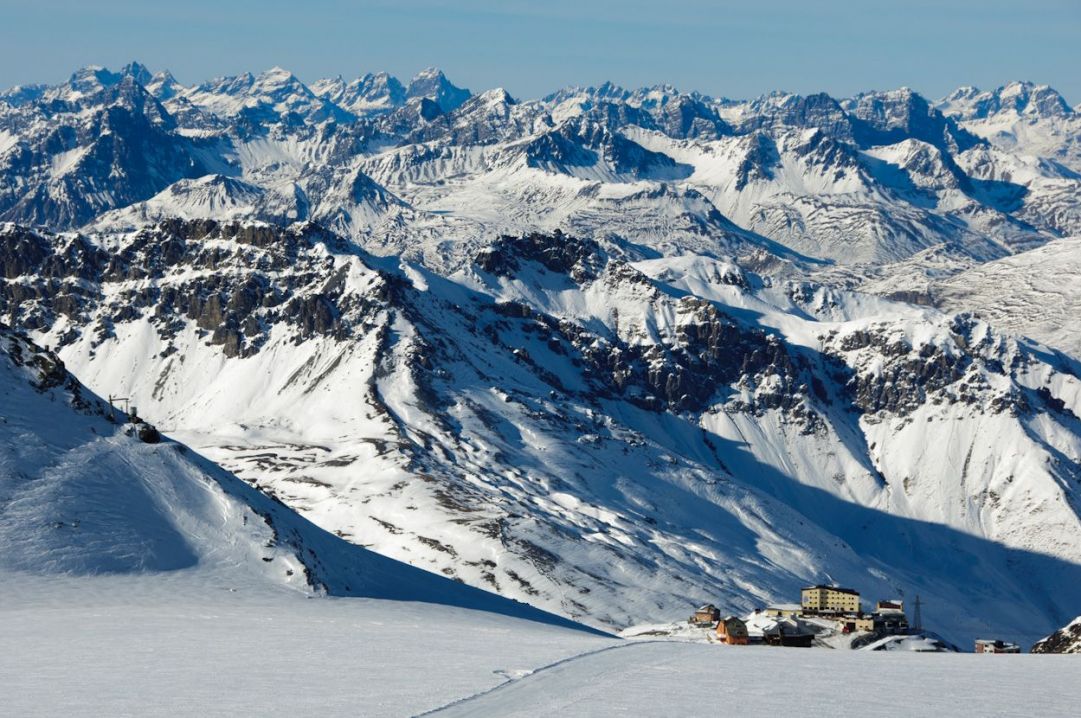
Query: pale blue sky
[{"x": 724, "y": 48}]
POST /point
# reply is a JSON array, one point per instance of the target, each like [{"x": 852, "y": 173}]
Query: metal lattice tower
[{"x": 917, "y": 618}]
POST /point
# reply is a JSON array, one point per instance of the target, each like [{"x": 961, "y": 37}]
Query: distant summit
[{"x": 434, "y": 85}]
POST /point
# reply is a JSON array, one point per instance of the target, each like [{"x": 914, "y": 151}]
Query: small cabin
[
  {"x": 732, "y": 630},
  {"x": 985, "y": 645},
  {"x": 706, "y": 615}
]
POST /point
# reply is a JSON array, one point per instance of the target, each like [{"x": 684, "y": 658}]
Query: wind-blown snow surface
[
  {"x": 132, "y": 647},
  {"x": 161, "y": 646},
  {"x": 1035, "y": 293},
  {"x": 676, "y": 679}
]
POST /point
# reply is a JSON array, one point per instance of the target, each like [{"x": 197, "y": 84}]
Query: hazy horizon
[{"x": 724, "y": 49}]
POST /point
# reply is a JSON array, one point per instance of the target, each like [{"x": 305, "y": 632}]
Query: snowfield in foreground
[
  {"x": 165, "y": 646},
  {"x": 154, "y": 646}
]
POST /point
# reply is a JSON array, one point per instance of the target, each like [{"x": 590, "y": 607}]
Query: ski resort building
[
  {"x": 985, "y": 645},
  {"x": 706, "y": 615},
  {"x": 889, "y": 617},
  {"x": 788, "y": 632},
  {"x": 852, "y": 624},
  {"x": 829, "y": 599},
  {"x": 783, "y": 610},
  {"x": 733, "y": 631}
]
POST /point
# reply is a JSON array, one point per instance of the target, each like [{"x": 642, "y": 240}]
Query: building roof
[
  {"x": 785, "y": 607},
  {"x": 833, "y": 588},
  {"x": 996, "y": 642}
]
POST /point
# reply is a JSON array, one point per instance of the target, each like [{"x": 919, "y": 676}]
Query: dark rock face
[
  {"x": 710, "y": 356},
  {"x": 886, "y": 118},
  {"x": 580, "y": 259},
  {"x": 759, "y": 162},
  {"x": 261, "y": 276},
  {"x": 819, "y": 111},
  {"x": 1065, "y": 640},
  {"x": 826, "y": 153},
  {"x": 581, "y": 142},
  {"x": 235, "y": 283},
  {"x": 904, "y": 378},
  {"x": 48, "y": 372},
  {"x": 690, "y": 118}
]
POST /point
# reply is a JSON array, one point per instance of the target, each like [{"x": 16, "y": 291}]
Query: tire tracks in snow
[{"x": 543, "y": 669}]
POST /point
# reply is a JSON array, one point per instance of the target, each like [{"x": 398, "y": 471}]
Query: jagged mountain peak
[
  {"x": 21, "y": 95},
  {"x": 607, "y": 91},
  {"x": 434, "y": 85},
  {"x": 1018, "y": 98},
  {"x": 276, "y": 76},
  {"x": 138, "y": 72},
  {"x": 889, "y": 116},
  {"x": 371, "y": 93},
  {"x": 780, "y": 112},
  {"x": 91, "y": 79},
  {"x": 497, "y": 95},
  {"x": 163, "y": 85},
  {"x": 227, "y": 84}
]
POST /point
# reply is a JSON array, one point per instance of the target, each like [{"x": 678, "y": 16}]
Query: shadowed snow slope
[{"x": 78, "y": 496}]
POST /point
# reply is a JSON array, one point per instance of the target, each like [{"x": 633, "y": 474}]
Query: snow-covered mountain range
[
  {"x": 812, "y": 180},
  {"x": 609, "y": 352}
]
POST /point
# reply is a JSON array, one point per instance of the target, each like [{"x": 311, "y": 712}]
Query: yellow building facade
[{"x": 830, "y": 599}]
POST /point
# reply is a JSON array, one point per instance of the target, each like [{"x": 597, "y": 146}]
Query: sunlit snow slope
[{"x": 80, "y": 497}]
